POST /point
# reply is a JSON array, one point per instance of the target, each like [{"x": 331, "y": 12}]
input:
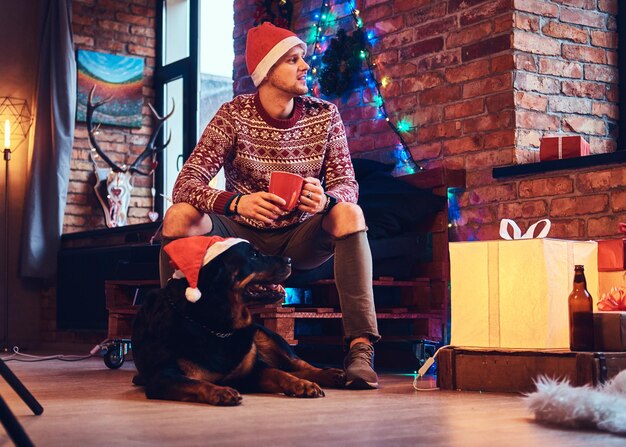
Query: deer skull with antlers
[{"x": 117, "y": 180}]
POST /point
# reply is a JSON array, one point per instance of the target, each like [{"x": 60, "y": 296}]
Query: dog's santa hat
[
  {"x": 190, "y": 254},
  {"x": 265, "y": 44}
]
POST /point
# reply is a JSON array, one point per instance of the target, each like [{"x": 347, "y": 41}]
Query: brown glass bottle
[{"x": 580, "y": 313}]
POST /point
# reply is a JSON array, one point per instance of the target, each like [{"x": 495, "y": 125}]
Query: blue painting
[{"x": 119, "y": 78}]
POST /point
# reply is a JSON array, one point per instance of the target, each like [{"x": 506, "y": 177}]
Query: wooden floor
[{"x": 86, "y": 404}]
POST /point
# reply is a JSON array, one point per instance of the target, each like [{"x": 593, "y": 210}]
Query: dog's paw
[
  {"x": 223, "y": 396},
  {"x": 304, "y": 388}
]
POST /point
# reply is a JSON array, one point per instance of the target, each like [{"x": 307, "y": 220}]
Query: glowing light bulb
[{"x": 385, "y": 81}]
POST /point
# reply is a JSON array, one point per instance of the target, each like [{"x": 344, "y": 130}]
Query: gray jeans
[{"x": 309, "y": 246}]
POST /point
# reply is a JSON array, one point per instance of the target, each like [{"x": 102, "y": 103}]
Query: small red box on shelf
[
  {"x": 611, "y": 255},
  {"x": 556, "y": 148}
]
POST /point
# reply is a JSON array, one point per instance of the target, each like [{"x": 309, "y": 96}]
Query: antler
[
  {"x": 152, "y": 148},
  {"x": 91, "y": 107}
]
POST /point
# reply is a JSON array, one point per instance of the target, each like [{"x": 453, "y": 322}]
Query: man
[{"x": 279, "y": 129}]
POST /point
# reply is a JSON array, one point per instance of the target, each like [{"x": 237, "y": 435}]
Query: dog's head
[
  {"x": 216, "y": 267},
  {"x": 254, "y": 278}
]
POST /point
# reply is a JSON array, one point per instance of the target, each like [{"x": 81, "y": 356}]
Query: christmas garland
[
  {"x": 276, "y": 12},
  {"x": 342, "y": 63}
]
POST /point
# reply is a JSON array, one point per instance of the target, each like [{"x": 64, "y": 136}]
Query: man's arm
[
  {"x": 338, "y": 171},
  {"x": 192, "y": 183}
]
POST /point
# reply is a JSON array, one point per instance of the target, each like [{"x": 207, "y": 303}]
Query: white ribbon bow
[{"x": 517, "y": 233}]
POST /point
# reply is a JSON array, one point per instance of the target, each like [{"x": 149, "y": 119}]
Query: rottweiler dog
[{"x": 210, "y": 350}]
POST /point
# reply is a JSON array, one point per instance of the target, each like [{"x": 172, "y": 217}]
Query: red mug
[{"x": 287, "y": 186}]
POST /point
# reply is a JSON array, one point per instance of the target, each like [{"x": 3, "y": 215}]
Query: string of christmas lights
[{"x": 322, "y": 20}]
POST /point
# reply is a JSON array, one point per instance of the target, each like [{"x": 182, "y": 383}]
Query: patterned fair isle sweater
[{"x": 250, "y": 144}]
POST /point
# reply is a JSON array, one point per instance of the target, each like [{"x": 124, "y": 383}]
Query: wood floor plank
[{"x": 86, "y": 404}]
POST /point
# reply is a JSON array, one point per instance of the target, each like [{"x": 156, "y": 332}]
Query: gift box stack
[
  {"x": 610, "y": 319},
  {"x": 559, "y": 147}
]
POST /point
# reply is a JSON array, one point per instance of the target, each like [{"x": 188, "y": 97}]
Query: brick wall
[
  {"x": 122, "y": 27},
  {"x": 483, "y": 80}
]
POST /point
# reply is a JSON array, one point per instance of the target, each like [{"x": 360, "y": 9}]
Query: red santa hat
[
  {"x": 190, "y": 254},
  {"x": 266, "y": 44}
]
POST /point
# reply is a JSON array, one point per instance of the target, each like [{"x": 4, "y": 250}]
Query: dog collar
[{"x": 209, "y": 330}]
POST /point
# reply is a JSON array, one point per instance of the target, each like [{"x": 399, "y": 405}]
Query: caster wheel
[{"x": 114, "y": 358}]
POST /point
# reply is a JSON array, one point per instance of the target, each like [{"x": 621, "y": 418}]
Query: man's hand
[
  {"x": 261, "y": 206},
  {"x": 312, "y": 198}
]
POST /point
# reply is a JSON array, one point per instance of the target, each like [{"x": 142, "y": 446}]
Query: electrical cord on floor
[
  {"x": 18, "y": 356},
  {"x": 424, "y": 369}
]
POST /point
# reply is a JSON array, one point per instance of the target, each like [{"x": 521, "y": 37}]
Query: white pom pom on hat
[
  {"x": 265, "y": 45},
  {"x": 190, "y": 254}
]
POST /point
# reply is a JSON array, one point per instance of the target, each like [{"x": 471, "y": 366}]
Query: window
[{"x": 195, "y": 73}]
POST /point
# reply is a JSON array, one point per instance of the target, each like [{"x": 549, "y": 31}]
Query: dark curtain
[{"x": 52, "y": 149}]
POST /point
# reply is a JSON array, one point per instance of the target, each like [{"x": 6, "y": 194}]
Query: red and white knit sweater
[{"x": 250, "y": 144}]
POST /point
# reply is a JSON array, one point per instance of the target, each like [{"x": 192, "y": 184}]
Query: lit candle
[{"x": 7, "y": 134}]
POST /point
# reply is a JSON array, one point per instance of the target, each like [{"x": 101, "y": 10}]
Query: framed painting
[{"x": 119, "y": 78}]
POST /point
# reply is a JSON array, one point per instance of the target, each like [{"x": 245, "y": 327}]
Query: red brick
[
  {"x": 493, "y": 193},
  {"x": 440, "y": 95},
  {"x": 539, "y": 7},
  {"x": 405, "y": 5},
  {"x": 569, "y": 105},
  {"x": 422, "y": 48},
  {"x": 567, "y": 229},
  {"x": 600, "y": 180},
  {"x": 601, "y": 73},
  {"x": 519, "y": 210},
  {"x": 584, "y": 89},
  {"x": 437, "y": 131},
  {"x": 609, "y": 6},
  {"x": 465, "y": 72},
  {"x": 534, "y": 120},
  {"x": 535, "y": 44},
  {"x": 462, "y": 145},
  {"x": 486, "y": 47},
  {"x": 524, "y": 62},
  {"x": 562, "y": 31},
  {"x": 587, "y": 18},
  {"x": 604, "y": 226},
  {"x": 377, "y": 13},
  {"x": 535, "y": 83},
  {"x": 605, "y": 109},
  {"x": 502, "y": 63},
  {"x": 441, "y": 26},
  {"x": 487, "y": 86},
  {"x": 604, "y": 39},
  {"x": 493, "y": 158},
  {"x": 421, "y": 82},
  {"x": 582, "y": 4},
  {"x": 461, "y": 5},
  {"x": 486, "y": 11},
  {"x": 545, "y": 187},
  {"x": 389, "y": 26},
  {"x": 584, "y": 53},
  {"x": 499, "y": 139},
  {"x": 502, "y": 101},
  {"x": 525, "y": 22},
  {"x": 526, "y": 100},
  {"x": 494, "y": 121},
  {"x": 477, "y": 215},
  {"x": 584, "y": 124},
  {"x": 464, "y": 109},
  {"x": 560, "y": 68},
  {"x": 427, "y": 151},
  {"x": 399, "y": 70},
  {"x": 469, "y": 34},
  {"x": 438, "y": 60},
  {"x": 397, "y": 40},
  {"x": 432, "y": 12},
  {"x": 618, "y": 201},
  {"x": 576, "y": 206}
]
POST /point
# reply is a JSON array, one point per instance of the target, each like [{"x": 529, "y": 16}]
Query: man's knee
[
  {"x": 344, "y": 219},
  {"x": 182, "y": 219}
]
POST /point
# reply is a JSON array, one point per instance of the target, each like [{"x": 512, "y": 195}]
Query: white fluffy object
[{"x": 603, "y": 407}]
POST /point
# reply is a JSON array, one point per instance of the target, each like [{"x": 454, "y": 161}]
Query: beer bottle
[{"x": 580, "y": 313}]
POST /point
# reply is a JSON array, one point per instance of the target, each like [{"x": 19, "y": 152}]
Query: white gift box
[{"x": 514, "y": 293}]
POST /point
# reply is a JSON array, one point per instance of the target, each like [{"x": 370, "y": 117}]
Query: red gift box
[
  {"x": 556, "y": 148},
  {"x": 611, "y": 255}
]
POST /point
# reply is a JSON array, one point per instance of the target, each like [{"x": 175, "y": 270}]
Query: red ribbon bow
[{"x": 615, "y": 300}]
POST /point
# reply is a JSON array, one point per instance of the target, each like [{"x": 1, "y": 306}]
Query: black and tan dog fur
[{"x": 210, "y": 351}]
